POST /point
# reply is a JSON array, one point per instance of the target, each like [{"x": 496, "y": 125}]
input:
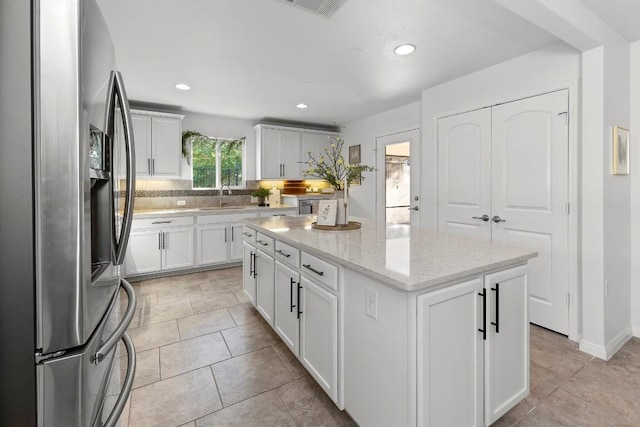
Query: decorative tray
[{"x": 353, "y": 225}]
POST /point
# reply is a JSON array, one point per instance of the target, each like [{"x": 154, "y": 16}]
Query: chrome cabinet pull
[
  {"x": 246, "y": 234},
  {"x": 225, "y": 234},
  {"x": 282, "y": 253},
  {"x": 497, "y": 219},
  {"x": 484, "y": 217},
  {"x": 308, "y": 266},
  {"x": 262, "y": 243},
  {"x": 159, "y": 241}
]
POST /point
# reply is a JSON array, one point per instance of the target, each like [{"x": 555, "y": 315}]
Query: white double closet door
[{"x": 503, "y": 176}]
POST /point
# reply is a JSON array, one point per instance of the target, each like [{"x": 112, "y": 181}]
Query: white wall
[
  {"x": 635, "y": 186},
  {"x": 617, "y": 201},
  {"x": 550, "y": 68},
  {"x": 224, "y": 127},
  {"x": 364, "y": 132}
]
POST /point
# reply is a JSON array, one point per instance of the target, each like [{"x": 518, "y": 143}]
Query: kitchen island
[{"x": 398, "y": 326}]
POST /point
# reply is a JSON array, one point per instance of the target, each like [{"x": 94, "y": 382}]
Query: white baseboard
[
  {"x": 606, "y": 352},
  {"x": 596, "y": 350},
  {"x": 616, "y": 344},
  {"x": 635, "y": 330}
]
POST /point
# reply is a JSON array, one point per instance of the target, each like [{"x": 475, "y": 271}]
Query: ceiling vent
[{"x": 325, "y": 8}]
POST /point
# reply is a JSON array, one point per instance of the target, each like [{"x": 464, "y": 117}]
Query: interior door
[
  {"x": 530, "y": 194},
  {"x": 464, "y": 174},
  {"x": 397, "y": 184}
]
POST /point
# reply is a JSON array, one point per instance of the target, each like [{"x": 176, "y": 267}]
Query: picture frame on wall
[
  {"x": 327, "y": 211},
  {"x": 620, "y": 146},
  {"x": 354, "y": 154}
]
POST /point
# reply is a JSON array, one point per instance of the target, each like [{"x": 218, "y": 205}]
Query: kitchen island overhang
[{"x": 422, "y": 328}]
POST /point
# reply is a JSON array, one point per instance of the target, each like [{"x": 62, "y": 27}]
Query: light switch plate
[{"x": 371, "y": 303}]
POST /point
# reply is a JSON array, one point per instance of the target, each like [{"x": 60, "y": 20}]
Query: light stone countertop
[
  {"x": 406, "y": 259},
  {"x": 160, "y": 213}
]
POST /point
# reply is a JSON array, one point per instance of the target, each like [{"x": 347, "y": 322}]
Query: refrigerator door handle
[
  {"x": 128, "y": 384},
  {"x": 110, "y": 342},
  {"x": 118, "y": 87}
]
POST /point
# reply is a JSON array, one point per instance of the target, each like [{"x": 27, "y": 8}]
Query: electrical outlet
[
  {"x": 371, "y": 303},
  {"x": 182, "y": 203}
]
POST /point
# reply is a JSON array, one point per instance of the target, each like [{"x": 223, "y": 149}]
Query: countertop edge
[
  {"x": 391, "y": 281},
  {"x": 163, "y": 213}
]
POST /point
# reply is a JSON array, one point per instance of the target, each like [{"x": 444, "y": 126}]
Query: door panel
[
  {"x": 385, "y": 209},
  {"x": 464, "y": 173},
  {"x": 319, "y": 335},
  {"x": 178, "y": 248},
  {"x": 166, "y": 134},
  {"x": 286, "y": 324},
  {"x": 530, "y": 192},
  {"x": 142, "y": 134},
  {"x": 450, "y": 356},
  {"x": 248, "y": 281},
  {"x": 507, "y": 346}
]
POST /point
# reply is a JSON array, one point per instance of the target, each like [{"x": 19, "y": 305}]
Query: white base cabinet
[
  {"x": 212, "y": 244},
  {"x": 461, "y": 359},
  {"x": 248, "y": 272},
  {"x": 159, "y": 249},
  {"x": 287, "y": 306},
  {"x": 319, "y": 335},
  {"x": 265, "y": 286}
]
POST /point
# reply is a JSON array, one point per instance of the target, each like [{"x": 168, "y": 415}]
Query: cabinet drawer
[
  {"x": 140, "y": 223},
  {"x": 249, "y": 234},
  {"x": 287, "y": 254},
  {"x": 264, "y": 242},
  {"x": 215, "y": 219},
  {"x": 320, "y": 270}
]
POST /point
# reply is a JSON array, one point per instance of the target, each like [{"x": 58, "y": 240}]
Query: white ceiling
[
  {"x": 621, "y": 15},
  {"x": 257, "y": 59}
]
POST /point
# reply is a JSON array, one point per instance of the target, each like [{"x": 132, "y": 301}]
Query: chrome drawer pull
[
  {"x": 263, "y": 243},
  {"x": 308, "y": 266}
]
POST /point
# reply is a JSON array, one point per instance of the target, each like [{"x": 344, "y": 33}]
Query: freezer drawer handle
[
  {"x": 128, "y": 384},
  {"x": 110, "y": 342}
]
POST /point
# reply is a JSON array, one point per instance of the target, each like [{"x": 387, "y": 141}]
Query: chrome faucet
[{"x": 222, "y": 192}]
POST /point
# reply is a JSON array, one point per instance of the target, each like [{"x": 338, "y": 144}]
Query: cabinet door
[
  {"x": 265, "y": 289},
  {"x": 286, "y": 321},
  {"x": 270, "y": 154},
  {"x": 178, "y": 248},
  {"x": 212, "y": 244},
  {"x": 143, "y": 253},
  {"x": 450, "y": 353},
  {"x": 507, "y": 347},
  {"x": 235, "y": 248},
  {"x": 248, "y": 267},
  {"x": 142, "y": 139},
  {"x": 290, "y": 154},
  {"x": 310, "y": 143},
  {"x": 166, "y": 134},
  {"x": 319, "y": 335}
]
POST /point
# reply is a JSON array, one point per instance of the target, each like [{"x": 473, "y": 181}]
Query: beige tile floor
[{"x": 206, "y": 358}]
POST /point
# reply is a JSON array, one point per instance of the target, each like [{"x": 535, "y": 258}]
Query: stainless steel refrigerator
[{"x": 67, "y": 179}]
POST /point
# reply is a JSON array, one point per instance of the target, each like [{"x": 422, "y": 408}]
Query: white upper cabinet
[
  {"x": 280, "y": 151},
  {"x": 158, "y": 139}
]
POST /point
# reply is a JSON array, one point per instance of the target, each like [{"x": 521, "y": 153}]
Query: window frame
[{"x": 218, "y": 151}]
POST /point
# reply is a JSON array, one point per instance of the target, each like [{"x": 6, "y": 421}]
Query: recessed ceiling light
[
  {"x": 404, "y": 49},
  {"x": 182, "y": 86},
  {"x": 302, "y": 105}
]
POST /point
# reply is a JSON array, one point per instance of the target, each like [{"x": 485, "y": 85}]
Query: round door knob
[
  {"x": 496, "y": 218},
  {"x": 484, "y": 217}
]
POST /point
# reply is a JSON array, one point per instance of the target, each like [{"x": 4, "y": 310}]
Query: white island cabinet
[{"x": 404, "y": 329}]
